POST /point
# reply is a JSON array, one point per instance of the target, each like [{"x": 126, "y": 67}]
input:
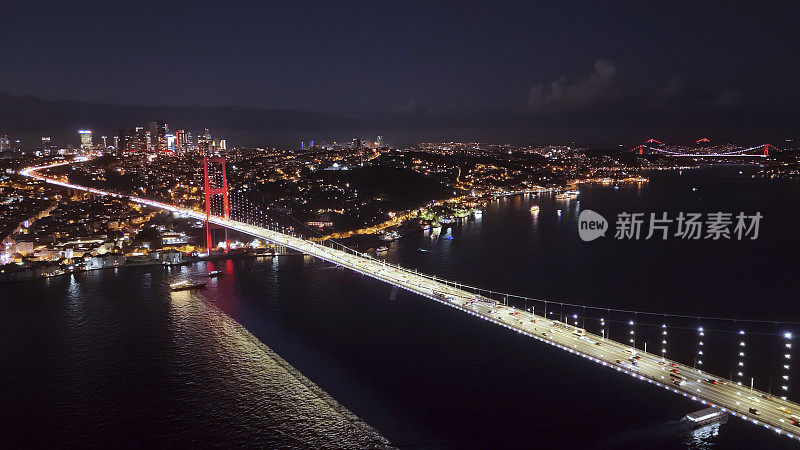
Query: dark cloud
[{"x": 564, "y": 95}]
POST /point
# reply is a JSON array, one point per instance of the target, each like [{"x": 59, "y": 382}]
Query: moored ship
[
  {"x": 706, "y": 416},
  {"x": 187, "y": 284}
]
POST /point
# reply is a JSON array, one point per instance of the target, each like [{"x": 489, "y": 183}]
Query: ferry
[
  {"x": 706, "y": 416},
  {"x": 214, "y": 273},
  {"x": 535, "y": 209},
  {"x": 382, "y": 249},
  {"x": 187, "y": 284},
  {"x": 567, "y": 195}
]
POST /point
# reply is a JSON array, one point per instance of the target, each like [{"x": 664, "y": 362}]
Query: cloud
[
  {"x": 564, "y": 95},
  {"x": 410, "y": 106},
  {"x": 672, "y": 91},
  {"x": 730, "y": 97},
  {"x": 675, "y": 96}
]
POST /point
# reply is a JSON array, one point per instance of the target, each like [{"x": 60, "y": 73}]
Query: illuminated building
[
  {"x": 158, "y": 135},
  {"x": 86, "y": 139},
  {"x": 181, "y": 139}
]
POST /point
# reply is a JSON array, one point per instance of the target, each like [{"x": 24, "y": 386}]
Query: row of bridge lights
[
  {"x": 740, "y": 359},
  {"x": 787, "y": 355},
  {"x": 700, "y": 345},
  {"x": 699, "y": 359}
]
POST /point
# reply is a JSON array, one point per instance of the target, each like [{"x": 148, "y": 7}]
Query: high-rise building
[
  {"x": 86, "y": 139},
  {"x": 170, "y": 142},
  {"x": 5, "y": 145},
  {"x": 116, "y": 142},
  {"x": 223, "y": 144},
  {"x": 180, "y": 140},
  {"x": 204, "y": 144},
  {"x": 158, "y": 135},
  {"x": 132, "y": 141},
  {"x": 140, "y": 139},
  {"x": 45, "y": 140},
  {"x": 105, "y": 142}
]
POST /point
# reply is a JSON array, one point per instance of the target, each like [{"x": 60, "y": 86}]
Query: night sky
[{"x": 537, "y": 58}]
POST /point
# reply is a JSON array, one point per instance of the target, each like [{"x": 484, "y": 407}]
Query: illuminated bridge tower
[{"x": 212, "y": 187}]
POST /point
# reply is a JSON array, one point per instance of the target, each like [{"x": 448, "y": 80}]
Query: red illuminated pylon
[{"x": 209, "y": 191}]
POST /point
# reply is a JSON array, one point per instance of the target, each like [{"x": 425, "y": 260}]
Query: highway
[{"x": 725, "y": 394}]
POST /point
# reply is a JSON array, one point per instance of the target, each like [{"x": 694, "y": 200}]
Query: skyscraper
[
  {"x": 158, "y": 135},
  {"x": 86, "y": 139},
  {"x": 181, "y": 141},
  {"x": 140, "y": 140},
  {"x": 204, "y": 142},
  {"x": 5, "y": 145}
]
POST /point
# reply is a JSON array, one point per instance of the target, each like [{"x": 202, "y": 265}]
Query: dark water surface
[{"x": 114, "y": 358}]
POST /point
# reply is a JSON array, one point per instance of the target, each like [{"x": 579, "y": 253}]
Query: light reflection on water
[{"x": 112, "y": 358}]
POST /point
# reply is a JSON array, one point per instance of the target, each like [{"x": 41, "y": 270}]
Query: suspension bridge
[
  {"x": 652, "y": 146},
  {"x": 533, "y": 318}
]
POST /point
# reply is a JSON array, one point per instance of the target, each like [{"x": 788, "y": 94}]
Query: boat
[
  {"x": 706, "y": 416},
  {"x": 382, "y": 249},
  {"x": 214, "y": 273},
  {"x": 389, "y": 236},
  {"x": 535, "y": 208},
  {"x": 567, "y": 195},
  {"x": 187, "y": 284}
]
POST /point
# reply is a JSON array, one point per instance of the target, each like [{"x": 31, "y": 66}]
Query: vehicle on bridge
[
  {"x": 569, "y": 328},
  {"x": 677, "y": 379}
]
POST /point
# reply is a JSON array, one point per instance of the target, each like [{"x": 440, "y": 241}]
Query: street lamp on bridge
[
  {"x": 740, "y": 359},
  {"x": 699, "y": 357},
  {"x": 632, "y": 339},
  {"x": 787, "y": 355}
]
